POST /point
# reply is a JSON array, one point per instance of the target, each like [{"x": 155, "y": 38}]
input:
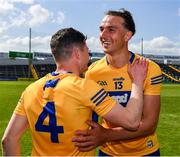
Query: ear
[
  {"x": 76, "y": 53},
  {"x": 128, "y": 36}
]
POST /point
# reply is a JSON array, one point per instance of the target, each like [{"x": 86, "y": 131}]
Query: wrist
[
  {"x": 138, "y": 83},
  {"x": 106, "y": 135}
]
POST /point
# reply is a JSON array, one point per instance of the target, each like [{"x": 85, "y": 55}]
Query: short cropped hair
[
  {"x": 127, "y": 16},
  {"x": 63, "y": 41}
]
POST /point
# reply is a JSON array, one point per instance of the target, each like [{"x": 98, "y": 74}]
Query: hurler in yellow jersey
[
  {"x": 117, "y": 83},
  {"x": 67, "y": 103}
]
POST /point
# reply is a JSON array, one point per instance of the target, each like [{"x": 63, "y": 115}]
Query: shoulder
[
  {"x": 98, "y": 63},
  {"x": 83, "y": 83},
  {"x": 74, "y": 83},
  {"x": 37, "y": 84},
  {"x": 153, "y": 67},
  {"x": 96, "y": 67}
]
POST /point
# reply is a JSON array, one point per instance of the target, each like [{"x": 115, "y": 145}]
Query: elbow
[
  {"x": 7, "y": 141},
  {"x": 4, "y": 143},
  {"x": 133, "y": 124},
  {"x": 10, "y": 146},
  {"x": 151, "y": 129}
]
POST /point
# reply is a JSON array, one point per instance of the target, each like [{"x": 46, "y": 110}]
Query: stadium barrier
[
  {"x": 34, "y": 73},
  {"x": 174, "y": 68},
  {"x": 172, "y": 78},
  {"x": 26, "y": 79}
]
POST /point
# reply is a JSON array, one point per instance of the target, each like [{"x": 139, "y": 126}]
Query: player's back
[{"x": 55, "y": 109}]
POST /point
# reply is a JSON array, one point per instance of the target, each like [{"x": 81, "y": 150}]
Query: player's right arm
[
  {"x": 129, "y": 117},
  {"x": 15, "y": 129},
  {"x": 11, "y": 138}
]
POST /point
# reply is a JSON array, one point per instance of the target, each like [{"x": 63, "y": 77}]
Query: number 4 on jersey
[{"x": 52, "y": 128}]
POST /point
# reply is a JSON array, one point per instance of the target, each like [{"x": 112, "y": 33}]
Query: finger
[
  {"x": 92, "y": 124},
  {"x": 82, "y": 132},
  {"x": 141, "y": 61},
  {"x": 86, "y": 149},
  {"x": 83, "y": 144},
  {"x": 145, "y": 62},
  {"x": 129, "y": 66},
  {"x": 81, "y": 139},
  {"x": 137, "y": 61}
]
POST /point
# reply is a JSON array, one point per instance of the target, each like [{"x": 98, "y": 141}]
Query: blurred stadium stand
[{"x": 43, "y": 63}]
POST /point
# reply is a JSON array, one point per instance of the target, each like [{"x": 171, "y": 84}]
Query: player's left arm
[{"x": 11, "y": 138}]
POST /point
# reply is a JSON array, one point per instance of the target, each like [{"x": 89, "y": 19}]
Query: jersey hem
[{"x": 133, "y": 154}]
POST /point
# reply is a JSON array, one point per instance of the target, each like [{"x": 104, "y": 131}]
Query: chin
[
  {"x": 84, "y": 69},
  {"x": 107, "y": 52}
]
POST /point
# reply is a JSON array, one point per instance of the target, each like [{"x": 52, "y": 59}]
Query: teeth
[{"x": 106, "y": 42}]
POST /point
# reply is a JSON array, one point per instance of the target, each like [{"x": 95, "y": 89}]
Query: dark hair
[
  {"x": 126, "y": 15},
  {"x": 64, "y": 40}
]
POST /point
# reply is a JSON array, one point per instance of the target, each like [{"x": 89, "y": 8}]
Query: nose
[{"x": 103, "y": 34}]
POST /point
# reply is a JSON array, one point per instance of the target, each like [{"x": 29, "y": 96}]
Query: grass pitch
[{"x": 168, "y": 128}]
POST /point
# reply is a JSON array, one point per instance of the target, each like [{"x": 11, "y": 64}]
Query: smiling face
[{"x": 113, "y": 35}]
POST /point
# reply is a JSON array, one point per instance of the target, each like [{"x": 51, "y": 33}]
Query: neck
[
  {"x": 118, "y": 60},
  {"x": 67, "y": 68}
]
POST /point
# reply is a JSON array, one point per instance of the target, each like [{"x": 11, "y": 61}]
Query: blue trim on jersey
[
  {"x": 122, "y": 97},
  {"x": 156, "y": 77},
  {"x": 101, "y": 153},
  {"x": 50, "y": 83},
  {"x": 99, "y": 97},
  {"x": 130, "y": 60},
  {"x": 54, "y": 73},
  {"x": 156, "y": 153},
  {"x": 95, "y": 117},
  {"x": 132, "y": 57},
  {"x": 154, "y": 83},
  {"x": 156, "y": 80},
  {"x": 102, "y": 99},
  {"x": 97, "y": 94}
]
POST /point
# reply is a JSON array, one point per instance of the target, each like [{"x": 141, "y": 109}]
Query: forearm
[
  {"x": 128, "y": 117},
  {"x": 148, "y": 122},
  {"x": 135, "y": 103},
  {"x": 11, "y": 147},
  {"x": 118, "y": 133},
  {"x": 12, "y": 135}
]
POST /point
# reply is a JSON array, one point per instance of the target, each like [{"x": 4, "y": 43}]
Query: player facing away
[
  {"x": 116, "y": 29},
  {"x": 61, "y": 102}
]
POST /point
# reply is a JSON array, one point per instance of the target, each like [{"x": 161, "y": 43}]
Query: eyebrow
[{"x": 100, "y": 27}]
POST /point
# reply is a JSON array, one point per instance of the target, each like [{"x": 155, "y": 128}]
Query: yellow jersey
[
  {"x": 117, "y": 83},
  {"x": 56, "y": 106}
]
